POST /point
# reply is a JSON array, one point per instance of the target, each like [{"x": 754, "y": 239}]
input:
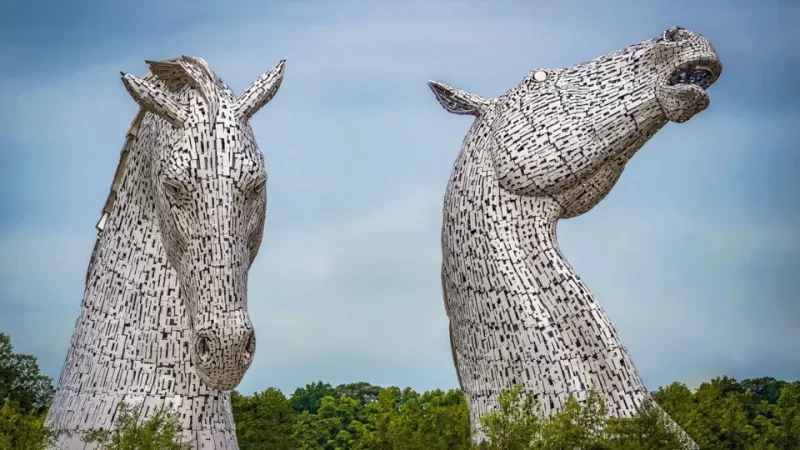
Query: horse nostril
[
  {"x": 250, "y": 347},
  {"x": 203, "y": 348}
]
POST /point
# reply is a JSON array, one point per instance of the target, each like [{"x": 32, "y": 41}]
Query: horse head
[
  {"x": 209, "y": 189},
  {"x": 553, "y": 132}
]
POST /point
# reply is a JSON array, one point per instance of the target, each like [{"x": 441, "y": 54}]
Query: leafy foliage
[
  {"x": 760, "y": 414},
  {"x": 310, "y": 397},
  {"x": 264, "y": 421},
  {"x": 650, "y": 428},
  {"x": 162, "y": 431},
  {"x": 21, "y": 382},
  {"x": 515, "y": 425},
  {"x": 22, "y": 430},
  {"x": 382, "y": 418},
  {"x": 757, "y": 414},
  {"x": 25, "y": 396}
]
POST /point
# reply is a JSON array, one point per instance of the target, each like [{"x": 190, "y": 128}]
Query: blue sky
[{"x": 695, "y": 254}]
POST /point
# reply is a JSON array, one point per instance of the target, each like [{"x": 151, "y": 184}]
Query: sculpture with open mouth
[{"x": 551, "y": 148}]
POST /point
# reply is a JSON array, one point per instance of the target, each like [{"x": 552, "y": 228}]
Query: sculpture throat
[
  {"x": 551, "y": 148},
  {"x": 163, "y": 322},
  {"x": 520, "y": 314}
]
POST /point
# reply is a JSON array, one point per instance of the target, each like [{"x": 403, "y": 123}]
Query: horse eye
[
  {"x": 172, "y": 189},
  {"x": 260, "y": 186},
  {"x": 675, "y": 34}
]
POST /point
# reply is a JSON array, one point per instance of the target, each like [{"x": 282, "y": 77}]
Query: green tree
[
  {"x": 264, "y": 421},
  {"x": 363, "y": 392},
  {"x": 408, "y": 420},
  {"x": 719, "y": 419},
  {"x": 755, "y": 414},
  {"x": 720, "y": 414},
  {"x": 336, "y": 415},
  {"x": 788, "y": 416},
  {"x": 22, "y": 430},
  {"x": 435, "y": 420},
  {"x": 309, "y": 397},
  {"x": 765, "y": 388},
  {"x": 650, "y": 428},
  {"x": 515, "y": 425},
  {"x": 335, "y": 426},
  {"x": 310, "y": 432},
  {"x": 21, "y": 382},
  {"x": 676, "y": 399},
  {"x": 162, "y": 431},
  {"x": 25, "y": 396},
  {"x": 577, "y": 426},
  {"x": 381, "y": 415}
]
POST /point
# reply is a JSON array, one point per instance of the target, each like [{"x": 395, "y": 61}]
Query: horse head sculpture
[
  {"x": 551, "y": 148},
  {"x": 209, "y": 182},
  {"x": 164, "y": 319}
]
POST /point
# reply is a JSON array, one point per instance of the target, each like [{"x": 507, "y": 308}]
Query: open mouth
[
  {"x": 683, "y": 94},
  {"x": 694, "y": 75}
]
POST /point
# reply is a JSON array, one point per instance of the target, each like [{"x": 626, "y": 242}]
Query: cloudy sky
[{"x": 695, "y": 255}]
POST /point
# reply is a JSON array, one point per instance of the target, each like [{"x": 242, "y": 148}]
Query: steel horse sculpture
[
  {"x": 551, "y": 148},
  {"x": 164, "y": 319}
]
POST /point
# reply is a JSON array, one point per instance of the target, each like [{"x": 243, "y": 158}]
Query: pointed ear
[
  {"x": 457, "y": 101},
  {"x": 155, "y": 100},
  {"x": 260, "y": 92}
]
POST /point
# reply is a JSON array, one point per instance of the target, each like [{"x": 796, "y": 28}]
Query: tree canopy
[
  {"x": 25, "y": 396},
  {"x": 20, "y": 380},
  {"x": 760, "y": 414},
  {"x": 723, "y": 413}
]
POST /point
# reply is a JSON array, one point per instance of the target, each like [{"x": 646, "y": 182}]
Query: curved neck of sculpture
[
  {"x": 539, "y": 216},
  {"x": 519, "y": 312}
]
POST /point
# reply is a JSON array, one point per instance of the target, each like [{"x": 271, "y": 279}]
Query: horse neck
[
  {"x": 527, "y": 226},
  {"x": 130, "y": 284}
]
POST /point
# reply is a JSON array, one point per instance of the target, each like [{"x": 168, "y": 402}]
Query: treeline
[
  {"x": 761, "y": 414},
  {"x": 25, "y": 397},
  {"x": 722, "y": 414}
]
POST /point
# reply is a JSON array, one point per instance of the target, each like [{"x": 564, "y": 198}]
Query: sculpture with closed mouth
[{"x": 164, "y": 319}]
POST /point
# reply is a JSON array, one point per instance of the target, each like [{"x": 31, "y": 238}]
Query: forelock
[{"x": 178, "y": 73}]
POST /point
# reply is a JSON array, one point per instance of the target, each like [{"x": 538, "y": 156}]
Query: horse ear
[
  {"x": 457, "y": 101},
  {"x": 260, "y": 92},
  {"x": 155, "y": 100}
]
